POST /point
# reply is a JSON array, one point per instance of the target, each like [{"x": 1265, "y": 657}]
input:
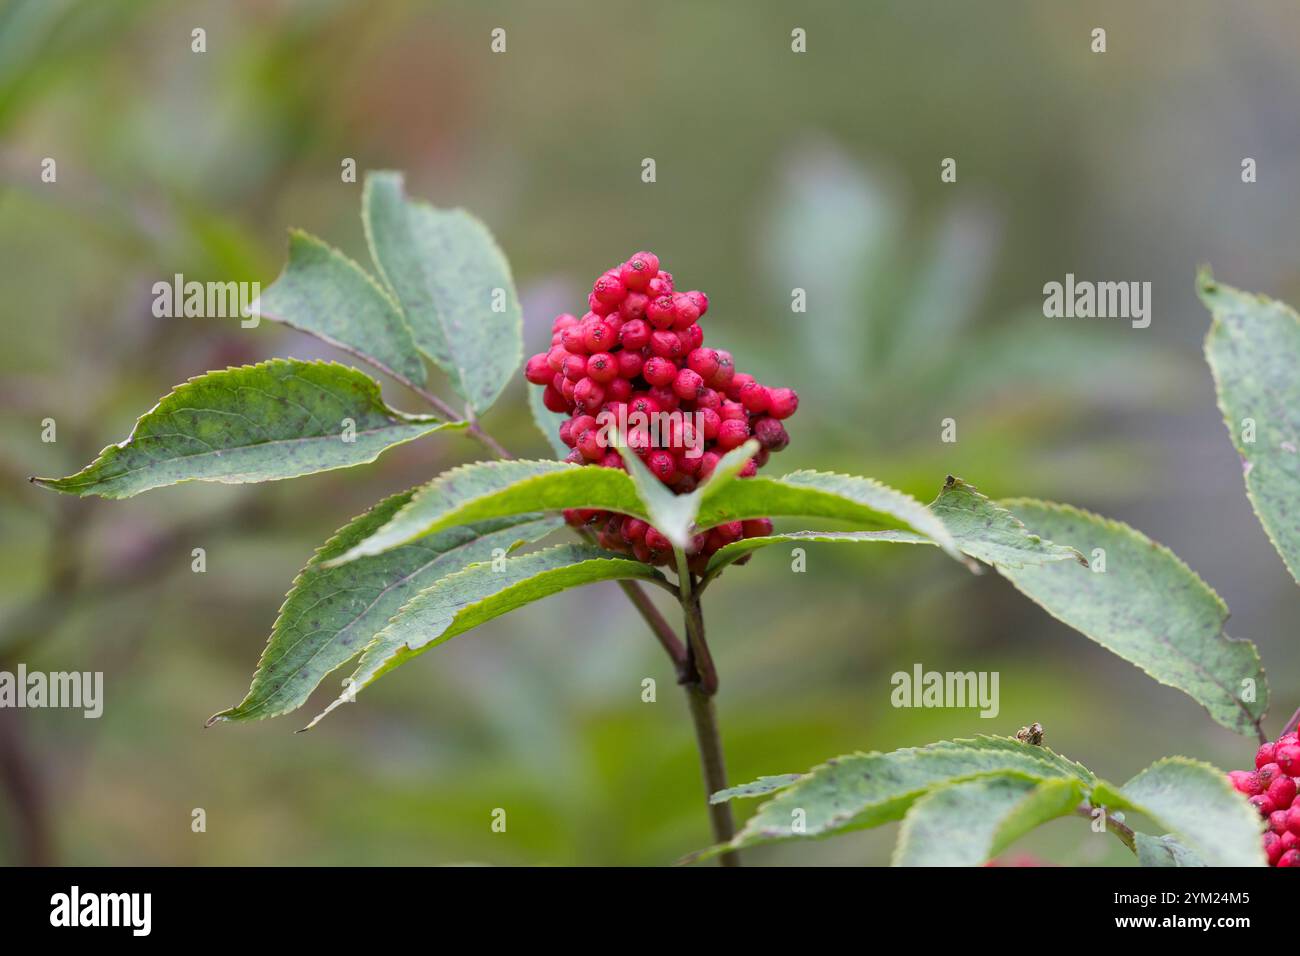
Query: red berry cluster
[
  {"x": 1271, "y": 787},
  {"x": 640, "y": 349}
]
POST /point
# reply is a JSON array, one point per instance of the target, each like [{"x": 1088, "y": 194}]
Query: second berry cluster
[
  {"x": 1271, "y": 787},
  {"x": 638, "y": 356}
]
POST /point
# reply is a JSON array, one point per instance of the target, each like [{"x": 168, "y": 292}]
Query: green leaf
[
  {"x": 326, "y": 294},
  {"x": 278, "y": 419},
  {"x": 1148, "y": 607},
  {"x": 499, "y": 489},
  {"x": 673, "y": 514},
  {"x": 1253, "y": 347},
  {"x": 866, "y": 790},
  {"x": 824, "y": 495},
  {"x": 448, "y": 273},
  {"x": 1195, "y": 802},
  {"x": 547, "y": 422},
  {"x": 330, "y": 614},
  {"x": 982, "y": 530},
  {"x": 757, "y": 788},
  {"x": 1163, "y": 851},
  {"x": 460, "y": 602},
  {"x": 967, "y": 823}
]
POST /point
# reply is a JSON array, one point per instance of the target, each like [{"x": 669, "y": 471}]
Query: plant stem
[
  {"x": 1121, "y": 830},
  {"x": 709, "y": 741},
  {"x": 701, "y": 686}
]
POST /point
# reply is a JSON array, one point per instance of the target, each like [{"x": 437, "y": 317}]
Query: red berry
[
  {"x": 1277, "y": 821},
  {"x": 538, "y": 370},
  {"x": 655, "y": 541},
  {"x": 575, "y": 368},
  {"x": 1273, "y": 848},
  {"x": 709, "y": 422},
  {"x": 700, "y": 299},
  {"x": 1244, "y": 782},
  {"x": 637, "y": 272},
  {"x": 662, "y": 465},
  {"x": 1289, "y": 858},
  {"x": 592, "y": 444},
  {"x": 633, "y": 307},
  {"x": 726, "y": 370},
  {"x": 555, "y": 358},
  {"x": 1282, "y": 791},
  {"x": 574, "y": 339},
  {"x": 784, "y": 402},
  {"x": 634, "y": 334},
  {"x": 643, "y": 403},
  {"x": 660, "y": 312},
  {"x": 1287, "y": 757},
  {"x": 685, "y": 311},
  {"x": 692, "y": 337},
  {"x": 665, "y": 396},
  {"x": 703, "y": 362},
  {"x": 1262, "y": 803},
  {"x": 634, "y": 529},
  {"x": 665, "y": 344},
  {"x": 619, "y": 390},
  {"x": 553, "y": 400},
  {"x": 732, "y": 433},
  {"x": 771, "y": 434},
  {"x": 757, "y": 527},
  {"x": 730, "y": 410},
  {"x": 662, "y": 284},
  {"x": 688, "y": 383},
  {"x": 603, "y": 367},
  {"x": 588, "y": 394},
  {"x": 1265, "y": 754},
  {"x": 598, "y": 336},
  {"x": 659, "y": 371},
  {"x": 597, "y": 307},
  {"x": 563, "y": 321},
  {"x": 629, "y": 364},
  {"x": 609, "y": 289}
]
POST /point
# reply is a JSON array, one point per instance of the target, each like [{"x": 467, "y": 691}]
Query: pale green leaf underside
[
  {"x": 278, "y": 419},
  {"x": 866, "y": 790},
  {"x": 673, "y": 514},
  {"x": 982, "y": 530},
  {"x": 969, "y": 822},
  {"x": 498, "y": 489},
  {"x": 1164, "y": 851},
  {"x": 448, "y": 274},
  {"x": 1147, "y": 607},
  {"x": 547, "y": 422},
  {"x": 323, "y": 292},
  {"x": 462, "y": 601},
  {"x": 1195, "y": 802},
  {"x": 1253, "y": 348},
  {"x": 330, "y": 614}
]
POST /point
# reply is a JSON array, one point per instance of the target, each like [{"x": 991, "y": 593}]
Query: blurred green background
[{"x": 775, "y": 170}]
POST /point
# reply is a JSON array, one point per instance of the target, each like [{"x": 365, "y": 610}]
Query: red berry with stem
[
  {"x": 660, "y": 312},
  {"x": 637, "y": 272},
  {"x": 603, "y": 367}
]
